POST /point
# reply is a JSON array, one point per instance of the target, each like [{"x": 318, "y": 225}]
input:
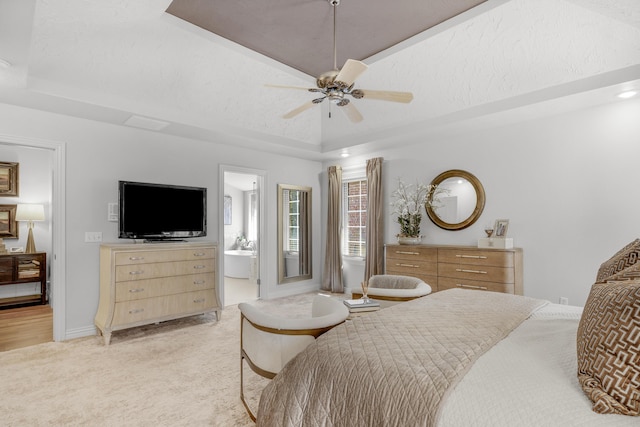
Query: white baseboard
[{"x": 85, "y": 331}]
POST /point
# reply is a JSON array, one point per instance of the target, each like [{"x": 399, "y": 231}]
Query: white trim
[
  {"x": 58, "y": 256},
  {"x": 85, "y": 331}
]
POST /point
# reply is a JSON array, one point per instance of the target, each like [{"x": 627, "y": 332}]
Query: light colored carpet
[
  {"x": 239, "y": 290},
  {"x": 177, "y": 373}
]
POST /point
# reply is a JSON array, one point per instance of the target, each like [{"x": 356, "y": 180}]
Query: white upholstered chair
[
  {"x": 268, "y": 342},
  {"x": 389, "y": 287}
]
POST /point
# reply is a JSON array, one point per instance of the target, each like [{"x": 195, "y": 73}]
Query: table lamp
[{"x": 30, "y": 212}]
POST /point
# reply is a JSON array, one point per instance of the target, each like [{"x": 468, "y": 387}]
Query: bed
[{"x": 454, "y": 358}]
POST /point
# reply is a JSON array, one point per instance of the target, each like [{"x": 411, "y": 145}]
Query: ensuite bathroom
[{"x": 240, "y": 238}]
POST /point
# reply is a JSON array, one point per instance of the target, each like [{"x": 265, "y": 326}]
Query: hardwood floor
[{"x": 22, "y": 327}]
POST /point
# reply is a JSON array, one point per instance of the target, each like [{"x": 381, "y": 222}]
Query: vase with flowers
[{"x": 408, "y": 201}]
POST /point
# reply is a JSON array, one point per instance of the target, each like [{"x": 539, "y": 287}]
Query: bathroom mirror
[
  {"x": 294, "y": 233},
  {"x": 461, "y": 204}
]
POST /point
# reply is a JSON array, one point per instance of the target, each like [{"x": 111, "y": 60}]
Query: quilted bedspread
[{"x": 394, "y": 366}]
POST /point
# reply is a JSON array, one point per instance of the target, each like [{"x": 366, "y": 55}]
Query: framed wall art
[
  {"x": 9, "y": 179},
  {"x": 8, "y": 224},
  {"x": 501, "y": 227}
]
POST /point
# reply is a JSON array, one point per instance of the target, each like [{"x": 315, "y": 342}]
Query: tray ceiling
[{"x": 300, "y": 33}]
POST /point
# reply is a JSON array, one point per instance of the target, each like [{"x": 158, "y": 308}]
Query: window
[
  {"x": 354, "y": 220},
  {"x": 293, "y": 203}
]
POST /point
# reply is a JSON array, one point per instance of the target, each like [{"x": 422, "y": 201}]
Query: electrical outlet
[
  {"x": 564, "y": 300},
  {"x": 92, "y": 236}
]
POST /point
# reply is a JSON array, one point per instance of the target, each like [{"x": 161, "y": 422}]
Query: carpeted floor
[{"x": 177, "y": 373}]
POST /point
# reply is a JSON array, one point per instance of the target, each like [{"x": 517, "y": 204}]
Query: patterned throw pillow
[
  {"x": 632, "y": 272},
  {"x": 609, "y": 347},
  {"x": 624, "y": 258}
]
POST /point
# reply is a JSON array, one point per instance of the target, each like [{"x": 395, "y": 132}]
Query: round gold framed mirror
[{"x": 462, "y": 202}]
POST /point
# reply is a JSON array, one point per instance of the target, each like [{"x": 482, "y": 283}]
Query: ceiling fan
[{"x": 336, "y": 85}]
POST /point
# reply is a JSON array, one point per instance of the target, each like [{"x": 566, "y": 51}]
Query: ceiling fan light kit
[{"x": 334, "y": 85}]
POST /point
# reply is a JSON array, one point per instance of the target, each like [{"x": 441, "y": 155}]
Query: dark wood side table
[{"x": 24, "y": 268}]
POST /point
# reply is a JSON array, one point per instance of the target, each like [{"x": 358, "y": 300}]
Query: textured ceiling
[
  {"x": 499, "y": 62},
  {"x": 300, "y": 33}
]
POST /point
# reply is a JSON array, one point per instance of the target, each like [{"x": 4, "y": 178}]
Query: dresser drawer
[
  {"x": 165, "y": 269},
  {"x": 413, "y": 268},
  {"x": 483, "y": 273},
  {"x": 146, "y": 257},
  {"x": 408, "y": 253},
  {"x": 139, "y": 311},
  {"x": 445, "y": 283},
  {"x": 6, "y": 270},
  {"x": 476, "y": 257},
  {"x": 147, "y": 288}
]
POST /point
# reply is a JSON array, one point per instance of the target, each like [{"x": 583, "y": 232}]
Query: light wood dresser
[
  {"x": 467, "y": 267},
  {"x": 153, "y": 282}
]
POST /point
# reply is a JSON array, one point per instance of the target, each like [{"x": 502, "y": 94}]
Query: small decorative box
[{"x": 495, "y": 243}]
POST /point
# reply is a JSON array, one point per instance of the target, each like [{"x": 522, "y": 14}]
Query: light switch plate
[{"x": 112, "y": 212}]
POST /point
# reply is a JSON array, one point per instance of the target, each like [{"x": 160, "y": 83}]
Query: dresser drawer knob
[
  {"x": 407, "y": 253},
  {"x": 199, "y": 267},
  {"x": 136, "y": 311},
  {"x": 407, "y": 265},
  {"x": 471, "y": 256},
  {"x": 199, "y": 254},
  {"x": 134, "y": 273},
  {"x": 199, "y": 300},
  {"x": 133, "y": 291},
  {"x": 470, "y": 271},
  {"x": 199, "y": 282},
  {"x": 136, "y": 258},
  {"x": 460, "y": 285}
]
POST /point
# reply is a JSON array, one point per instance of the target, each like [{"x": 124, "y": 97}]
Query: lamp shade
[{"x": 30, "y": 212}]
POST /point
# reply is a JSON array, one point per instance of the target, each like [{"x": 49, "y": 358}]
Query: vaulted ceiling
[{"x": 132, "y": 62}]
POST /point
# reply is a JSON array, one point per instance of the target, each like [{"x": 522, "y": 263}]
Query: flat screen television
[{"x": 161, "y": 212}]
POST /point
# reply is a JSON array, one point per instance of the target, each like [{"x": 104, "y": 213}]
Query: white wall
[
  {"x": 236, "y": 228},
  {"x": 98, "y": 155},
  {"x": 568, "y": 184}
]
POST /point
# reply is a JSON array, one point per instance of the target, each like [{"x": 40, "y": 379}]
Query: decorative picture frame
[
  {"x": 501, "y": 227},
  {"x": 9, "y": 179},
  {"x": 227, "y": 210},
  {"x": 8, "y": 225}
]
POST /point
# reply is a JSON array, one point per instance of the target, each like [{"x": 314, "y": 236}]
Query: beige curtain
[
  {"x": 332, "y": 277},
  {"x": 374, "y": 261}
]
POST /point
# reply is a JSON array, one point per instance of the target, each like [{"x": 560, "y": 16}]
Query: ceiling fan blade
[
  {"x": 287, "y": 87},
  {"x": 351, "y": 70},
  {"x": 385, "y": 95},
  {"x": 352, "y": 112},
  {"x": 300, "y": 109}
]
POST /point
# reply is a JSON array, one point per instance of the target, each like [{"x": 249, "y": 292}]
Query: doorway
[
  {"x": 50, "y": 235},
  {"x": 241, "y": 222}
]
